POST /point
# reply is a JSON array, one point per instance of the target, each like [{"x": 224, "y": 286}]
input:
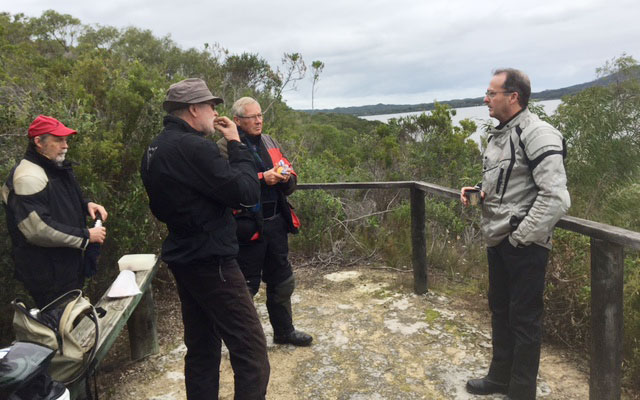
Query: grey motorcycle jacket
[{"x": 524, "y": 181}]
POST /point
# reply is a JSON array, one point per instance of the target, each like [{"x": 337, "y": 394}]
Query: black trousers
[
  {"x": 267, "y": 259},
  {"x": 516, "y": 286},
  {"x": 216, "y": 306}
]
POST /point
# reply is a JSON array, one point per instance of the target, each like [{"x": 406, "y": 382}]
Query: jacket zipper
[{"x": 512, "y": 162}]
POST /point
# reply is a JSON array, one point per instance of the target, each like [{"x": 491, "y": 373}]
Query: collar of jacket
[
  {"x": 515, "y": 120},
  {"x": 178, "y": 124},
  {"x": 32, "y": 155},
  {"x": 244, "y": 136}
]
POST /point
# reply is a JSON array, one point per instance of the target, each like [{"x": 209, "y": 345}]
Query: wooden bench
[{"x": 138, "y": 312}]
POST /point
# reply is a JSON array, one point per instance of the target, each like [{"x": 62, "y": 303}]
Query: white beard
[{"x": 60, "y": 158}]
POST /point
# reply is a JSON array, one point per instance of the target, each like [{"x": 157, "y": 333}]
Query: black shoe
[
  {"x": 485, "y": 386},
  {"x": 296, "y": 338}
]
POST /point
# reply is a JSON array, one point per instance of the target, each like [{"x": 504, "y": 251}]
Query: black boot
[
  {"x": 280, "y": 315},
  {"x": 484, "y": 386},
  {"x": 296, "y": 338}
]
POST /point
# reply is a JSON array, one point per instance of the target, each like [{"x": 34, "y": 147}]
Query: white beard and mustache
[{"x": 60, "y": 158}]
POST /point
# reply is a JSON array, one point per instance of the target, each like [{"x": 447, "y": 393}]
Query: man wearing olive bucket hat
[{"x": 192, "y": 189}]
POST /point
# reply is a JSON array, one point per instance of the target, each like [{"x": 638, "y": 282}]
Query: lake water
[{"x": 478, "y": 114}]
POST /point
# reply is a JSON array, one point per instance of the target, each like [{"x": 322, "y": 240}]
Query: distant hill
[{"x": 378, "y": 109}]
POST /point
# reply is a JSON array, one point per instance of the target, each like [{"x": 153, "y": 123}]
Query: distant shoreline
[{"x": 383, "y": 109}]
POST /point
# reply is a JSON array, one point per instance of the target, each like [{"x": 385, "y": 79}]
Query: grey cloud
[{"x": 402, "y": 52}]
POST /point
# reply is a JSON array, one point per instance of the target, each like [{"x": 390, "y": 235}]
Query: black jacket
[
  {"x": 192, "y": 189},
  {"x": 46, "y": 219}
]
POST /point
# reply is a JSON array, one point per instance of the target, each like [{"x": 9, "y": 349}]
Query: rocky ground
[{"x": 373, "y": 340}]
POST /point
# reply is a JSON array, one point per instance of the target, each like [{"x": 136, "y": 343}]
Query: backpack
[{"x": 52, "y": 326}]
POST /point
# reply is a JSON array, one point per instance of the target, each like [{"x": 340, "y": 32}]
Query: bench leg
[{"x": 143, "y": 335}]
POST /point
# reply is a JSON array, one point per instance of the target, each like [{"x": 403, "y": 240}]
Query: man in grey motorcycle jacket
[{"x": 524, "y": 194}]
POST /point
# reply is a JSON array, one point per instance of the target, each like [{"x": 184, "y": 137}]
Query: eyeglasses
[
  {"x": 491, "y": 94},
  {"x": 256, "y": 116}
]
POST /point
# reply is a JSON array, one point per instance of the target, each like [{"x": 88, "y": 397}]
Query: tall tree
[
  {"x": 316, "y": 68},
  {"x": 247, "y": 74},
  {"x": 293, "y": 70},
  {"x": 54, "y": 27}
]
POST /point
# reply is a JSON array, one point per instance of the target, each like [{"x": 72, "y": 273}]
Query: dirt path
[{"x": 373, "y": 340}]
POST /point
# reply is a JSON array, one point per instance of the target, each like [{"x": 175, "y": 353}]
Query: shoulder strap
[{"x": 88, "y": 361}]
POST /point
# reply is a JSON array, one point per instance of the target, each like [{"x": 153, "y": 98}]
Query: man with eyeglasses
[
  {"x": 192, "y": 189},
  {"x": 524, "y": 194},
  {"x": 263, "y": 230}
]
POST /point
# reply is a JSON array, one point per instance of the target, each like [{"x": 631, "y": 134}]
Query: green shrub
[
  {"x": 319, "y": 212},
  {"x": 568, "y": 290},
  {"x": 632, "y": 319}
]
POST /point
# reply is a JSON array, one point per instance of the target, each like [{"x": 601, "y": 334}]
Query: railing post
[
  {"x": 607, "y": 266},
  {"x": 418, "y": 241},
  {"x": 143, "y": 335}
]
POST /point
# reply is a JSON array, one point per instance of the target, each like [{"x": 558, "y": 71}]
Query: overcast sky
[{"x": 400, "y": 52}]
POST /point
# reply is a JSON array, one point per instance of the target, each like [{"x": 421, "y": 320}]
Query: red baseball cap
[{"x": 43, "y": 125}]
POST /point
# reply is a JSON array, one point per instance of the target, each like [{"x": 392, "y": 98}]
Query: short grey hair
[
  {"x": 237, "y": 110},
  {"x": 43, "y": 138},
  {"x": 516, "y": 81}
]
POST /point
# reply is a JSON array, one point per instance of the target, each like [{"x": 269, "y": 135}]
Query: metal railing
[{"x": 607, "y": 266}]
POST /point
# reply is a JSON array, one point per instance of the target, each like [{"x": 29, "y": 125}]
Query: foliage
[
  {"x": 632, "y": 318},
  {"x": 109, "y": 84},
  {"x": 318, "y": 212},
  {"x": 435, "y": 143},
  {"x": 602, "y": 129},
  {"x": 568, "y": 292}
]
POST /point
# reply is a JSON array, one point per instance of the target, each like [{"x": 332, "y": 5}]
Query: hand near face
[{"x": 228, "y": 129}]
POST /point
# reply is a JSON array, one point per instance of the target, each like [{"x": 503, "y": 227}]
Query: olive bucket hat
[{"x": 188, "y": 91}]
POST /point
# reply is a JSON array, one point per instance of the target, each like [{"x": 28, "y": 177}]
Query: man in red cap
[{"x": 46, "y": 215}]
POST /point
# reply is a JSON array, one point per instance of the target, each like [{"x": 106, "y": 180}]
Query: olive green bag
[{"x": 52, "y": 326}]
